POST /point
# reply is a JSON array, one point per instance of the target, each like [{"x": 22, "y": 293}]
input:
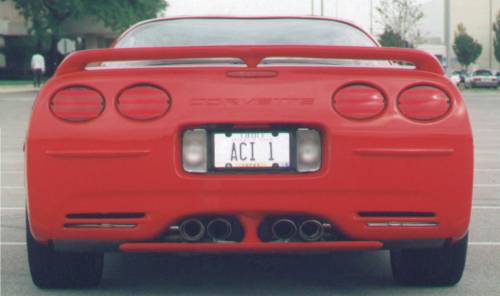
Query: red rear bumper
[{"x": 353, "y": 180}]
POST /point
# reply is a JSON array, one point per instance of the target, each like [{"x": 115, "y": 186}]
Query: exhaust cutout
[
  {"x": 219, "y": 229},
  {"x": 311, "y": 230},
  {"x": 192, "y": 230},
  {"x": 284, "y": 229}
]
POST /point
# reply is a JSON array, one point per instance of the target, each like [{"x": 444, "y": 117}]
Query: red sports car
[{"x": 244, "y": 135}]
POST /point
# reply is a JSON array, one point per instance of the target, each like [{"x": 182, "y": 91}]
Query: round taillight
[
  {"x": 77, "y": 104},
  {"x": 359, "y": 102},
  {"x": 424, "y": 103},
  {"x": 143, "y": 102}
]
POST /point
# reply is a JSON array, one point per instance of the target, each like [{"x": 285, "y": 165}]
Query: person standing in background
[{"x": 38, "y": 68}]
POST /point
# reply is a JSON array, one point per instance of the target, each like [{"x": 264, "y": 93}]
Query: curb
[{"x": 17, "y": 89}]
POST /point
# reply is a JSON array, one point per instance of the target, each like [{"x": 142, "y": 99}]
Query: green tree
[
  {"x": 496, "y": 42},
  {"x": 392, "y": 39},
  {"x": 465, "y": 47},
  {"x": 46, "y": 18},
  {"x": 401, "y": 17}
]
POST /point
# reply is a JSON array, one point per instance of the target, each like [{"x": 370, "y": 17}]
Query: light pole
[
  {"x": 371, "y": 17},
  {"x": 447, "y": 33},
  {"x": 490, "y": 37},
  {"x": 322, "y": 8},
  {"x": 312, "y": 7}
]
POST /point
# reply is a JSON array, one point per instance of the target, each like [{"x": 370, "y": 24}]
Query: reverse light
[
  {"x": 359, "y": 102},
  {"x": 143, "y": 102},
  {"x": 308, "y": 150},
  {"x": 424, "y": 103},
  {"x": 194, "y": 151},
  {"x": 77, "y": 104}
]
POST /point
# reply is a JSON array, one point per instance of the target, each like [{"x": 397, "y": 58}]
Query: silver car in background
[{"x": 482, "y": 78}]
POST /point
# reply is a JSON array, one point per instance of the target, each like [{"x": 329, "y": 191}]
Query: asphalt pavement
[{"x": 346, "y": 273}]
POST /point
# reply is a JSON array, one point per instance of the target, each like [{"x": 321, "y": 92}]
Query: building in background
[
  {"x": 477, "y": 16},
  {"x": 431, "y": 28},
  {"x": 12, "y": 29},
  {"x": 17, "y": 45}
]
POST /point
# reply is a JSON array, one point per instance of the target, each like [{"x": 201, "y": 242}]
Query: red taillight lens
[
  {"x": 359, "y": 102},
  {"x": 143, "y": 102},
  {"x": 77, "y": 104},
  {"x": 424, "y": 103}
]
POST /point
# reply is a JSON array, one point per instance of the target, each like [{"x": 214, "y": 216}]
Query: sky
[{"x": 357, "y": 11}]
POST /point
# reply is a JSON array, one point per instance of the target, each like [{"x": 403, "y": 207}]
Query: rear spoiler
[{"x": 252, "y": 55}]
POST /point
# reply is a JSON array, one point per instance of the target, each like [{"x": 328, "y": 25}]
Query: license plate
[{"x": 251, "y": 150}]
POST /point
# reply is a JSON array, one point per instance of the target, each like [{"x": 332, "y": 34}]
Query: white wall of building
[{"x": 478, "y": 17}]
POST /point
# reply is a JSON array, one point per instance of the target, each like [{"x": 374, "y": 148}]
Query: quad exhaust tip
[
  {"x": 192, "y": 230},
  {"x": 311, "y": 230},
  {"x": 284, "y": 229},
  {"x": 219, "y": 229}
]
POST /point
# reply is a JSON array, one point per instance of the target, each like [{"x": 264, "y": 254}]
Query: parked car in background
[
  {"x": 461, "y": 74},
  {"x": 498, "y": 77},
  {"x": 458, "y": 78},
  {"x": 482, "y": 78}
]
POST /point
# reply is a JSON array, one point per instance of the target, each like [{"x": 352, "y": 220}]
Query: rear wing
[{"x": 252, "y": 55}]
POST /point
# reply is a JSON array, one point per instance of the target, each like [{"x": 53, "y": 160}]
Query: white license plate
[{"x": 252, "y": 150}]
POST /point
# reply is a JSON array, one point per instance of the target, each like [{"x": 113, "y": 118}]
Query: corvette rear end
[{"x": 261, "y": 156}]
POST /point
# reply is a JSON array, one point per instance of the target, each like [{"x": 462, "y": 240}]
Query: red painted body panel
[{"x": 115, "y": 164}]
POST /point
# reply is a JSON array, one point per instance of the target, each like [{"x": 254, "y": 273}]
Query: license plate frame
[{"x": 292, "y": 150}]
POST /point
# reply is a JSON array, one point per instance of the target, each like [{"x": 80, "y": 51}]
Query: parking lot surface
[{"x": 347, "y": 273}]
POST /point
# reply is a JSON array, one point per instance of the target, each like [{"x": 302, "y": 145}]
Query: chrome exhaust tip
[
  {"x": 219, "y": 229},
  {"x": 311, "y": 230},
  {"x": 192, "y": 230},
  {"x": 284, "y": 229}
]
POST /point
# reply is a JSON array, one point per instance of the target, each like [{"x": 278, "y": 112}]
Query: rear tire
[
  {"x": 430, "y": 267},
  {"x": 51, "y": 269}
]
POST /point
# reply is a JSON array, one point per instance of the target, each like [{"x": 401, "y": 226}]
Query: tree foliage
[
  {"x": 46, "y": 18},
  {"x": 392, "y": 39},
  {"x": 465, "y": 47},
  {"x": 400, "y": 17},
  {"x": 496, "y": 42}
]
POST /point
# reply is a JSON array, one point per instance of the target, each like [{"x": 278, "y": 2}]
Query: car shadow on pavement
[{"x": 247, "y": 274}]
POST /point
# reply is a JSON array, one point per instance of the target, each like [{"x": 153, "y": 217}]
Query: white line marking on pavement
[
  {"x": 12, "y": 208},
  {"x": 13, "y": 161},
  {"x": 479, "y": 151},
  {"x": 487, "y": 170},
  {"x": 496, "y": 244},
  {"x": 12, "y": 243},
  {"x": 22, "y": 172},
  {"x": 12, "y": 187},
  {"x": 486, "y": 207},
  {"x": 15, "y": 137},
  {"x": 487, "y": 160},
  {"x": 487, "y": 185},
  {"x": 20, "y": 146},
  {"x": 15, "y": 99}
]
